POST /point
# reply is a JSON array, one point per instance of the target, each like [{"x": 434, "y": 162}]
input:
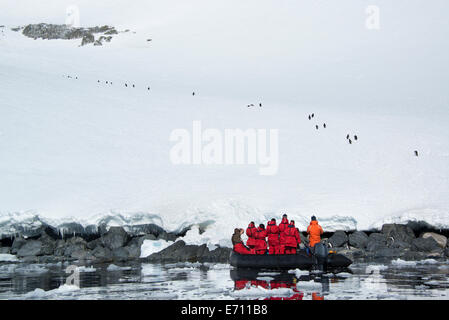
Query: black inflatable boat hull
[{"x": 287, "y": 261}]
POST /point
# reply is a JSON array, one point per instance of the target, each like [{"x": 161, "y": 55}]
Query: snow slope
[{"x": 79, "y": 150}]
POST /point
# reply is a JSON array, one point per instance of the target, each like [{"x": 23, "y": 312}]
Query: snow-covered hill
[{"x": 77, "y": 149}]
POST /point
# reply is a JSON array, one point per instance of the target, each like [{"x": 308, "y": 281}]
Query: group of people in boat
[{"x": 275, "y": 239}]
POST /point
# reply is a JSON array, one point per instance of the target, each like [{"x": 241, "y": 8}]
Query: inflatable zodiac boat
[{"x": 320, "y": 259}]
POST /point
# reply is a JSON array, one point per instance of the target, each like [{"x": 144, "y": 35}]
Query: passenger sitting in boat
[
  {"x": 292, "y": 238},
  {"x": 251, "y": 233},
  {"x": 237, "y": 242},
  {"x": 273, "y": 237},
  {"x": 261, "y": 243},
  {"x": 282, "y": 226},
  {"x": 314, "y": 231}
]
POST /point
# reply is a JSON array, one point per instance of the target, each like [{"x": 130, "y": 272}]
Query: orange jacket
[{"x": 315, "y": 231}]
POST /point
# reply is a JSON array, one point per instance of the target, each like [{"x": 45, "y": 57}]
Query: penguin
[
  {"x": 416, "y": 152},
  {"x": 98, "y": 81},
  {"x": 355, "y": 137},
  {"x": 134, "y": 85},
  {"x": 310, "y": 118},
  {"x": 316, "y": 127},
  {"x": 126, "y": 85},
  {"x": 148, "y": 88},
  {"x": 260, "y": 105},
  {"x": 347, "y": 136},
  {"x": 193, "y": 93},
  {"x": 106, "y": 82},
  {"x": 350, "y": 141},
  {"x": 324, "y": 125},
  {"x": 76, "y": 78},
  {"x": 313, "y": 115}
]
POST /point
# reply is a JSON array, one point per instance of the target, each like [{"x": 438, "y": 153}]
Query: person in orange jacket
[
  {"x": 273, "y": 237},
  {"x": 251, "y": 233},
  {"x": 282, "y": 226},
  {"x": 292, "y": 238},
  {"x": 261, "y": 243},
  {"x": 314, "y": 231}
]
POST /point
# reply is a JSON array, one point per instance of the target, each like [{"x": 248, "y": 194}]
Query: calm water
[{"x": 398, "y": 280}]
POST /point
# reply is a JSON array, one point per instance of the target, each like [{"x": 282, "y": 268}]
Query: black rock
[
  {"x": 48, "y": 244},
  {"x": 59, "y": 248},
  {"x": 338, "y": 239},
  {"x": 6, "y": 250},
  {"x": 398, "y": 232},
  {"x": 389, "y": 253},
  {"x": 167, "y": 254},
  {"x": 120, "y": 254},
  {"x": 93, "y": 244},
  {"x": 358, "y": 239},
  {"x": 377, "y": 237},
  {"x": 30, "y": 259},
  {"x": 180, "y": 252},
  {"x": 115, "y": 238},
  {"x": 373, "y": 246},
  {"x": 52, "y": 31},
  {"x": 82, "y": 254},
  {"x": 133, "y": 251},
  {"x": 167, "y": 236},
  {"x": 87, "y": 39},
  {"x": 74, "y": 246},
  {"x": 31, "y": 248},
  {"x": 102, "y": 254},
  {"x": 218, "y": 255},
  {"x": 399, "y": 244},
  {"x": 17, "y": 244},
  {"x": 352, "y": 253},
  {"x": 425, "y": 244},
  {"x": 413, "y": 255}
]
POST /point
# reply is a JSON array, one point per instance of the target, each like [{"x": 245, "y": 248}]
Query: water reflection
[
  {"x": 220, "y": 281},
  {"x": 246, "y": 279}
]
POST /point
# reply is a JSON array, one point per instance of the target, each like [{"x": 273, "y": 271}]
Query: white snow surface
[
  {"x": 152, "y": 246},
  {"x": 113, "y": 267},
  {"x": 5, "y": 257},
  {"x": 76, "y": 150}
]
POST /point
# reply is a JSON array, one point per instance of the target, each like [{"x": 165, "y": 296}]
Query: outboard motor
[{"x": 320, "y": 254}]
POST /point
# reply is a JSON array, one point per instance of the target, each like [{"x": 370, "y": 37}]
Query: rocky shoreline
[{"x": 46, "y": 245}]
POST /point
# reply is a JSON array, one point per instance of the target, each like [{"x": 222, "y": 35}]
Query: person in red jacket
[
  {"x": 282, "y": 226},
  {"x": 237, "y": 242},
  {"x": 251, "y": 233},
  {"x": 273, "y": 237},
  {"x": 261, "y": 243},
  {"x": 292, "y": 238}
]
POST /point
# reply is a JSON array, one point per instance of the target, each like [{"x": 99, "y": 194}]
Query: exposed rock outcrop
[
  {"x": 119, "y": 244},
  {"x": 55, "y": 31}
]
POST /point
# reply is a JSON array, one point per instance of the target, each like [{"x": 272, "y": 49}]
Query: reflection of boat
[
  {"x": 320, "y": 259},
  {"x": 246, "y": 278}
]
